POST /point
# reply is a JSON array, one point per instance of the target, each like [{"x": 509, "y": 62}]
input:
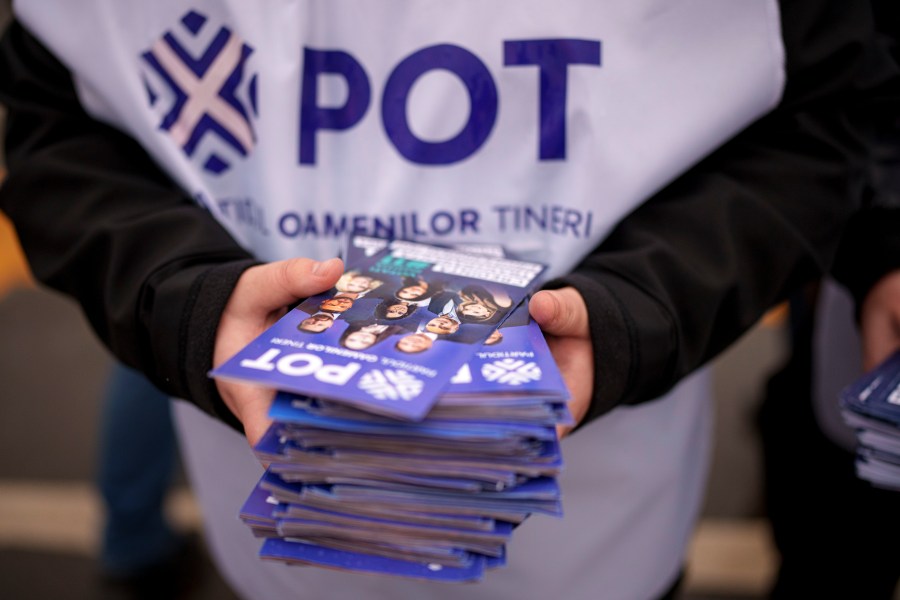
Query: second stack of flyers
[
  {"x": 871, "y": 405},
  {"x": 434, "y": 497}
]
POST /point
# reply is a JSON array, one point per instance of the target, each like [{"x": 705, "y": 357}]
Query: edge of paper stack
[
  {"x": 871, "y": 406},
  {"x": 436, "y": 498}
]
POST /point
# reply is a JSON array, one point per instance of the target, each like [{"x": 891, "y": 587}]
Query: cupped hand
[
  {"x": 880, "y": 320},
  {"x": 260, "y": 298},
  {"x": 563, "y": 317}
]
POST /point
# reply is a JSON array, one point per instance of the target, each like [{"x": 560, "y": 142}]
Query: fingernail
[{"x": 322, "y": 266}]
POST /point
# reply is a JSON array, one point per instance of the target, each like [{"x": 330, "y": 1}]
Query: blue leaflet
[
  {"x": 345, "y": 345},
  {"x": 877, "y": 393},
  {"x": 304, "y": 553},
  {"x": 871, "y": 405}
]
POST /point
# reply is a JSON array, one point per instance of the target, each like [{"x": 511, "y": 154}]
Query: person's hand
[
  {"x": 562, "y": 315},
  {"x": 260, "y": 298},
  {"x": 880, "y": 320}
]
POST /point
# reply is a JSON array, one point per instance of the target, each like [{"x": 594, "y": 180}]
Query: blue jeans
[{"x": 136, "y": 465}]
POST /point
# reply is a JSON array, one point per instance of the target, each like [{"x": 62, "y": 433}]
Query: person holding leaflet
[{"x": 695, "y": 182}]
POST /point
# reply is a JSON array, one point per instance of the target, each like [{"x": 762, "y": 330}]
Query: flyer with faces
[{"x": 398, "y": 325}]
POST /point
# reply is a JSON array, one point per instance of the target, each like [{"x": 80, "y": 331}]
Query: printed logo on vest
[{"x": 196, "y": 79}]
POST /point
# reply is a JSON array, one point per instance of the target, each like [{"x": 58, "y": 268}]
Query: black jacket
[
  {"x": 870, "y": 247},
  {"x": 676, "y": 282}
]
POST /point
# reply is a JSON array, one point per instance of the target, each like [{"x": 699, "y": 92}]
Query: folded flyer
[{"x": 396, "y": 328}]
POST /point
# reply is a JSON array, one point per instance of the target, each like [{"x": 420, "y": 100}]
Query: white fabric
[{"x": 674, "y": 81}]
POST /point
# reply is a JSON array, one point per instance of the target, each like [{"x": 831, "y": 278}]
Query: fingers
[
  {"x": 256, "y": 425},
  {"x": 563, "y": 317},
  {"x": 880, "y": 337},
  {"x": 260, "y": 297},
  {"x": 880, "y": 320},
  {"x": 560, "y": 312},
  {"x": 273, "y": 285},
  {"x": 250, "y": 404},
  {"x": 563, "y": 430}
]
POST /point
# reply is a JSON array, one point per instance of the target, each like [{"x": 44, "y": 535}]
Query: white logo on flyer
[
  {"x": 464, "y": 375},
  {"x": 894, "y": 396},
  {"x": 511, "y": 371},
  {"x": 864, "y": 395},
  {"x": 391, "y": 384}
]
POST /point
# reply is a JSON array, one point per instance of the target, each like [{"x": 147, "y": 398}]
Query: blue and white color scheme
[
  {"x": 871, "y": 405},
  {"x": 530, "y": 127},
  {"x": 402, "y": 370},
  {"x": 196, "y": 77},
  {"x": 354, "y": 98}
]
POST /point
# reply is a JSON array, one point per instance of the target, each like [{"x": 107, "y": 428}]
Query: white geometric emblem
[
  {"x": 464, "y": 375},
  {"x": 198, "y": 80},
  {"x": 391, "y": 384},
  {"x": 511, "y": 371}
]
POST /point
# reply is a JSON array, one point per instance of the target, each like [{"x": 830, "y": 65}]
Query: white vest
[{"x": 529, "y": 123}]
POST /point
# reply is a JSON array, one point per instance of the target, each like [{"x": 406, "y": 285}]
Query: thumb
[
  {"x": 560, "y": 312},
  {"x": 880, "y": 337},
  {"x": 278, "y": 284}
]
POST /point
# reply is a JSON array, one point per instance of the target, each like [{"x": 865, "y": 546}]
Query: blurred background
[{"x": 52, "y": 375}]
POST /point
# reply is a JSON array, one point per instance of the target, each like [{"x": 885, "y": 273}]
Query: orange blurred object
[
  {"x": 777, "y": 316},
  {"x": 14, "y": 270}
]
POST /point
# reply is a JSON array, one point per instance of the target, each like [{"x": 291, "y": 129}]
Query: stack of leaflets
[
  {"x": 871, "y": 405},
  {"x": 415, "y": 423}
]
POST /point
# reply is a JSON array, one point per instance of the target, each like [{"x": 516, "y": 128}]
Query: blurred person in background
[{"x": 835, "y": 533}]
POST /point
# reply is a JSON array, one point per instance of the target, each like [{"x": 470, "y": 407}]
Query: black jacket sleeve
[
  {"x": 870, "y": 247},
  {"x": 694, "y": 267},
  {"x": 869, "y": 250},
  {"x": 677, "y": 281},
  {"x": 99, "y": 221}
]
